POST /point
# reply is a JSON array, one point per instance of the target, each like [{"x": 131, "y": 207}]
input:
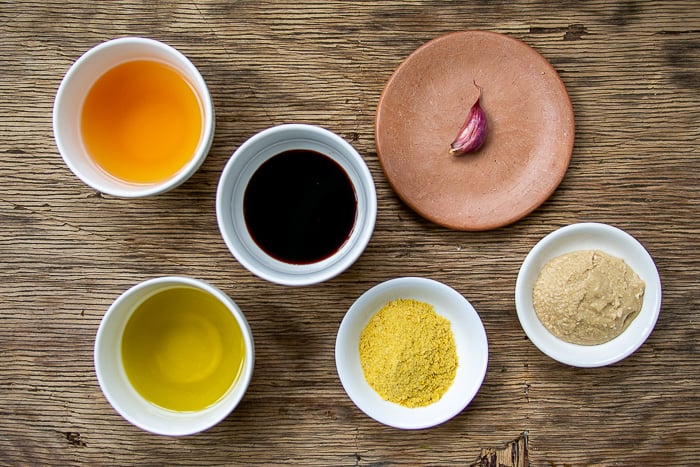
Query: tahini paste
[{"x": 587, "y": 297}]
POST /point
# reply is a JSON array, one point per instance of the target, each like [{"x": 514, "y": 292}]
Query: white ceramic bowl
[
  {"x": 470, "y": 340},
  {"x": 126, "y": 400},
  {"x": 72, "y": 93},
  {"x": 589, "y": 236},
  {"x": 234, "y": 180}
]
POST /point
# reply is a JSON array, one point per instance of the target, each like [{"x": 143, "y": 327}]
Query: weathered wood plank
[{"x": 632, "y": 70}]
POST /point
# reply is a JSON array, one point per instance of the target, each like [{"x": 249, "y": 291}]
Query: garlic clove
[{"x": 473, "y": 132}]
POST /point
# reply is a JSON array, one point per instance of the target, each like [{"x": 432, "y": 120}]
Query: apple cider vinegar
[{"x": 142, "y": 121}]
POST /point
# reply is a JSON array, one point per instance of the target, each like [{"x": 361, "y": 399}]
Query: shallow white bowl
[
  {"x": 470, "y": 339},
  {"x": 589, "y": 236},
  {"x": 231, "y": 191}
]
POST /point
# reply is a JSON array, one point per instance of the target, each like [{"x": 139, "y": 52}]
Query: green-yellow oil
[{"x": 182, "y": 349}]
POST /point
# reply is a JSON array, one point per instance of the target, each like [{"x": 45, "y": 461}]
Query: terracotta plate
[{"x": 529, "y": 143}]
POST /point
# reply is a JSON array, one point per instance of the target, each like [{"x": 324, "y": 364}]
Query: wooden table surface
[{"x": 632, "y": 70}]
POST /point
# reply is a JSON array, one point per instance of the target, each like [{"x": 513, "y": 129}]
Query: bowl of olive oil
[{"x": 174, "y": 355}]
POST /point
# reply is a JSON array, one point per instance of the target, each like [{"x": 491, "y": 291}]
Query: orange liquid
[{"x": 141, "y": 121}]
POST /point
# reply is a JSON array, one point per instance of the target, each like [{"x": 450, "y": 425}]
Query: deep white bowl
[
  {"x": 470, "y": 340},
  {"x": 77, "y": 83},
  {"x": 238, "y": 172},
  {"x": 589, "y": 236},
  {"x": 115, "y": 383}
]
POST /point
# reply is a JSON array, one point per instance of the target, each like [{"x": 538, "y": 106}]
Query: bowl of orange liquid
[{"x": 133, "y": 117}]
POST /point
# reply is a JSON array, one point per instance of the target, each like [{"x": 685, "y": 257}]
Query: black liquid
[{"x": 300, "y": 206}]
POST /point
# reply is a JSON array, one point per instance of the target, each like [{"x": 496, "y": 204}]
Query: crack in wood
[
  {"x": 513, "y": 454},
  {"x": 572, "y": 32},
  {"x": 75, "y": 439}
]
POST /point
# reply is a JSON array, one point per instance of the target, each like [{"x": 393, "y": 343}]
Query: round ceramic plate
[{"x": 528, "y": 145}]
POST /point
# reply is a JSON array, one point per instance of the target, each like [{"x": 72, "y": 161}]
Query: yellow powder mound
[{"x": 408, "y": 353}]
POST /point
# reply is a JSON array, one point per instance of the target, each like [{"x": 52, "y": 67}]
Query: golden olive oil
[
  {"x": 182, "y": 349},
  {"x": 141, "y": 121}
]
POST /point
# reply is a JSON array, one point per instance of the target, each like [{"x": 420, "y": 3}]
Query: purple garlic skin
[{"x": 473, "y": 132}]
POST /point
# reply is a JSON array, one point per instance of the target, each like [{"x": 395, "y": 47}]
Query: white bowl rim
[
  {"x": 457, "y": 398},
  {"x": 589, "y": 236}
]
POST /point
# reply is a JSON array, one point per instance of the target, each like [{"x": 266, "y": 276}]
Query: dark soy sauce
[{"x": 300, "y": 206}]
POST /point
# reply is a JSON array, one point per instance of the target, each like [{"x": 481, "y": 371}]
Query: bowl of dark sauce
[{"x": 296, "y": 204}]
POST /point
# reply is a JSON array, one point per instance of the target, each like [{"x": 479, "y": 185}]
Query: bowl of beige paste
[{"x": 588, "y": 295}]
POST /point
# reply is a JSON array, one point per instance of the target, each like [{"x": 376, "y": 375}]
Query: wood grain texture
[{"x": 632, "y": 69}]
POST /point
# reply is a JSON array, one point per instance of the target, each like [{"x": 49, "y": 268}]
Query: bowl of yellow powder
[
  {"x": 411, "y": 353},
  {"x": 588, "y": 295}
]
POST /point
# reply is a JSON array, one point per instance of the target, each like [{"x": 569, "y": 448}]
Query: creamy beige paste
[{"x": 587, "y": 297}]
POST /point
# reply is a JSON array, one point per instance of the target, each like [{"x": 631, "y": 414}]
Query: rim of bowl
[
  {"x": 469, "y": 334},
  {"x": 589, "y": 236}
]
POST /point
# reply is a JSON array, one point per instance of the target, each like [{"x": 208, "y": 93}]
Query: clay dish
[{"x": 529, "y": 143}]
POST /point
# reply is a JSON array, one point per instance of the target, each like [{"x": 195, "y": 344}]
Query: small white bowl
[
  {"x": 121, "y": 394},
  {"x": 470, "y": 340},
  {"x": 238, "y": 172},
  {"x": 589, "y": 236},
  {"x": 77, "y": 83}
]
